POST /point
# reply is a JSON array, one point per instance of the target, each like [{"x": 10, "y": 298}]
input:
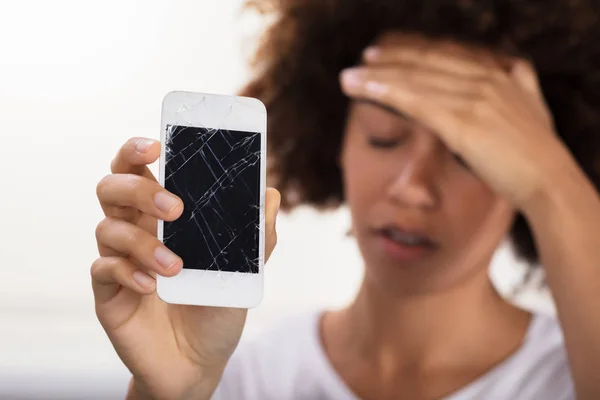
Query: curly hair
[{"x": 301, "y": 54}]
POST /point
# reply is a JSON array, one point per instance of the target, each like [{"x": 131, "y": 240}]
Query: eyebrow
[{"x": 384, "y": 107}]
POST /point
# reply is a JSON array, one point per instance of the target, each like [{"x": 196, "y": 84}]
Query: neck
[{"x": 445, "y": 328}]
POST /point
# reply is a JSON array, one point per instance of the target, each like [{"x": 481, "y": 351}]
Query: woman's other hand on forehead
[{"x": 486, "y": 108}]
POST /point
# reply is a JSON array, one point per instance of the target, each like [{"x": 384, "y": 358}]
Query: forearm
[{"x": 566, "y": 223}]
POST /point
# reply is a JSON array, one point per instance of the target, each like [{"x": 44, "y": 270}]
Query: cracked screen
[{"x": 217, "y": 175}]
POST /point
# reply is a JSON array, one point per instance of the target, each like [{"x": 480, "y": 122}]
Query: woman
[{"x": 453, "y": 124}]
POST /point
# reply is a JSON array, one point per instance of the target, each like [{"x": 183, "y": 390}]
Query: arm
[
  {"x": 565, "y": 219},
  {"x": 204, "y": 391},
  {"x": 131, "y": 392}
]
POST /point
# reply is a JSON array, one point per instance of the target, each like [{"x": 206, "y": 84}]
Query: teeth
[{"x": 406, "y": 238}]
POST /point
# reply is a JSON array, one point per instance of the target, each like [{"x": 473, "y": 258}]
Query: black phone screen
[{"x": 216, "y": 173}]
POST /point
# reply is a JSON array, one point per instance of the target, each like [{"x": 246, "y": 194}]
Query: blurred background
[{"x": 77, "y": 79}]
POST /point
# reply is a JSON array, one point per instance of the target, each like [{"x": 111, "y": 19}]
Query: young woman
[{"x": 444, "y": 126}]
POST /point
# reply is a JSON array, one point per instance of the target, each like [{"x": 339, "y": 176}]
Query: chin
[
  {"x": 420, "y": 277},
  {"x": 401, "y": 270}
]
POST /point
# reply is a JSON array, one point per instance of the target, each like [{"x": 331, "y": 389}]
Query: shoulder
[
  {"x": 544, "y": 358},
  {"x": 273, "y": 364},
  {"x": 544, "y": 345},
  {"x": 539, "y": 369}
]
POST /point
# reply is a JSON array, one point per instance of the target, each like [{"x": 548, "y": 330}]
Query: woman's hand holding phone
[{"x": 173, "y": 351}]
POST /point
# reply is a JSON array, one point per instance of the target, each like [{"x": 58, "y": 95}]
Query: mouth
[{"x": 404, "y": 244}]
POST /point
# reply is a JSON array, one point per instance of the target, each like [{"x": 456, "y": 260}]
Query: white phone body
[{"x": 210, "y": 287}]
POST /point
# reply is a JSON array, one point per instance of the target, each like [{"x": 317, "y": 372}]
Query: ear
[{"x": 346, "y": 128}]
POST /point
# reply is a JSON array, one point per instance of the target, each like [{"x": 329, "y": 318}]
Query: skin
[
  {"x": 479, "y": 105},
  {"x": 195, "y": 342},
  {"x": 417, "y": 183},
  {"x": 449, "y": 326}
]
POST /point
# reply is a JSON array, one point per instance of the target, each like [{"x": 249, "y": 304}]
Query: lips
[
  {"x": 403, "y": 244},
  {"x": 407, "y": 238}
]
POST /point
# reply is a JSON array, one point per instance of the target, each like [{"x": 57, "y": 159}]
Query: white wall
[{"x": 77, "y": 78}]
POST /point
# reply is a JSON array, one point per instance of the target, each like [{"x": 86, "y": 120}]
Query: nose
[{"x": 415, "y": 183}]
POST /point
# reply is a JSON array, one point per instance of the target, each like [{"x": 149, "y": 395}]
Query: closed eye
[
  {"x": 380, "y": 143},
  {"x": 461, "y": 161}
]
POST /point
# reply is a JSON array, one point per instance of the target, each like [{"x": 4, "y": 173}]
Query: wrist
[
  {"x": 563, "y": 186},
  {"x": 201, "y": 389}
]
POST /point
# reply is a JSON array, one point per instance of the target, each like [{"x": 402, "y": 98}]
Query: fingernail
[
  {"x": 371, "y": 53},
  {"x": 165, "y": 202},
  {"x": 351, "y": 78},
  {"x": 376, "y": 88},
  {"x": 143, "y": 145},
  {"x": 165, "y": 257},
  {"x": 143, "y": 279}
]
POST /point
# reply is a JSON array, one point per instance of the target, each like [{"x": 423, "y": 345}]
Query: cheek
[
  {"x": 471, "y": 210},
  {"x": 363, "y": 178}
]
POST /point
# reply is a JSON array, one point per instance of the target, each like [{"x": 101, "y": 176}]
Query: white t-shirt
[{"x": 289, "y": 363}]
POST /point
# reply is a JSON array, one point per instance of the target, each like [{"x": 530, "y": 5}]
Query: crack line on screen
[{"x": 209, "y": 200}]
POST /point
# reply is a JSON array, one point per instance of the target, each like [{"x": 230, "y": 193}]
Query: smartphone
[{"x": 213, "y": 158}]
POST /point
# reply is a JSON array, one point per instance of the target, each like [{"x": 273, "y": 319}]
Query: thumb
[
  {"x": 272, "y": 203},
  {"x": 524, "y": 74}
]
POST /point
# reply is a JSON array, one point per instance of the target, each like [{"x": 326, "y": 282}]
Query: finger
[
  {"x": 452, "y": 57},
  {"x": 273, "y": 201},
  {"x": 130, "y": 240},
  {"x": 525, "y": 76},
  {"x": 111, "y": 273},
  {"x": 413, "y": 94},
  {"x": 424, "y": 78},
  {"x": 432, "y": 107},
  {"x": 134, "y": 155},
  {"x": 120, "y": 191}
]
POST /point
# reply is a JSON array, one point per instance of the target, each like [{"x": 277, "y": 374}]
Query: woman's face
[{"x": 423, "y": 221}]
